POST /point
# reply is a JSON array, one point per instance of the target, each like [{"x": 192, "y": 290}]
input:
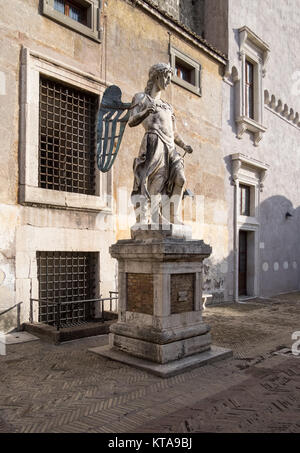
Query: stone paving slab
[
  {"x": 66, "y": 388},
  {"x": 17, "y": 337}
]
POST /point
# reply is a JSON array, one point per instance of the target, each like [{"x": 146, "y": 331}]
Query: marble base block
[
  {"x": 161, "y": 353},
  {"x": 168, "y": 369}
]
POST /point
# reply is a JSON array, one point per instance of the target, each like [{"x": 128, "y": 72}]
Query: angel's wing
[{"x": 112, "y": 119}]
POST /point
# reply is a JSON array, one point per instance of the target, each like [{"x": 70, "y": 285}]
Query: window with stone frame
[
  {"x": 66, "y": 277},
  {"x": 72, "y": 9},
  {"x": 254, "y": 54},
  {"x": 67, "y": 129},
  {"x": 186, "y": 71},
  {"x": 245, "y": 198},
  {"x": 249, "y": 89},
  {"x": 57, "y": 137},
  {"x": 81, "y": 16}
]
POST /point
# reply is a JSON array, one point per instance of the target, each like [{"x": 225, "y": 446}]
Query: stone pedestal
[{"x": 160, "y": 326}]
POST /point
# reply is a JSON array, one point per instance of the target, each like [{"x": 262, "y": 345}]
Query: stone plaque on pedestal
[{"x": 160, "y": 326}]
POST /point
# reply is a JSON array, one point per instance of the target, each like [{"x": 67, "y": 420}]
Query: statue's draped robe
[{"x": 158, "y": 162}]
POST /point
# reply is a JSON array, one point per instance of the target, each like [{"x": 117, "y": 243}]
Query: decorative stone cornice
[
  {"x": 244, "y": 123},
  {"x": 240, "y": 160},
  {"x": 282, "y": 110},
  {"x": 248, "y": 36}
]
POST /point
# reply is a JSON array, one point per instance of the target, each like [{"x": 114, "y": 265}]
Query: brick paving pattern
[{"x": 66, "y": 389}]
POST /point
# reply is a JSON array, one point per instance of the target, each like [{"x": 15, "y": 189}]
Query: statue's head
[{"x": 160, "y": 74}]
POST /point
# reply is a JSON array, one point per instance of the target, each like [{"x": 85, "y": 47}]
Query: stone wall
[
  {"x": 170, "y": 6},
  {"x": 189, "y": 12},
  {"x": 192, "y": 15},
  {"x": 132, "y": 41},
  {"x": 275, "y": 22},
  {"x": 215, "y": 23},
  {"x": 197, "y": 121}
]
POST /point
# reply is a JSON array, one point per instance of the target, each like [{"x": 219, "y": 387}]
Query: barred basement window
[
  {"x": 66, "y": 277},
  {"x": 67, "y": 138}
]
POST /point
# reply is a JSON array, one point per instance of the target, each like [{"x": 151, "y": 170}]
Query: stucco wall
[
  {"x": 198, "y": 121},
  {"x": 26, "y": 229},
  {"x": 275, "y": 22},
  {"x": 132, "y": 42}
]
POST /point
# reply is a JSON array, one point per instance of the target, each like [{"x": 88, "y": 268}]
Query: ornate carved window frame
[
  {"x": 32, "y": 65},
  {"x": 256, "y": 51},
  {"x": 192, "y": 64},
  {"x": 91, "y": 30}
]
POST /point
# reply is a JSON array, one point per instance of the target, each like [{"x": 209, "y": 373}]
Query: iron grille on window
[
  {"x": 66, "y": 277},
  {"x": 67, "y": 138}
]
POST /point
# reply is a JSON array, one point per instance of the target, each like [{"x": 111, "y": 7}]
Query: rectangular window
[
  {"x": 249, "y": 89},
  {"x": 244, "y": 200},
  {"x": 72, "y": 9},
  {"x": 187, "y": 72},
  {"x": 81, "y": 16},
  {"x": 184, "y": 72},
  {"x": 67, "y": 134},
  {"x": 65, "y": 277}
]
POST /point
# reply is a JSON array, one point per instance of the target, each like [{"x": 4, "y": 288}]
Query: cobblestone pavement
[{"x": 65, "y": 388}]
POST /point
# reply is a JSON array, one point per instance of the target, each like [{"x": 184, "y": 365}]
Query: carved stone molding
[
  {"x": 283, "y": 110},
  {"x": 241, "y": 129},
  {"x": 247, "y": 37},
  {"x": 252, "y": 49},
  {"x": 236, "y": 165},
  {"x": 257, "y": 137},
  {"x": 256, "y": 170},
  {"x": 244, "y": 123},
  {"x": 263, "y": 175}
]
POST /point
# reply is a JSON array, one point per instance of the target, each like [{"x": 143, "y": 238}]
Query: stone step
[{"x": 51, "y": 335}]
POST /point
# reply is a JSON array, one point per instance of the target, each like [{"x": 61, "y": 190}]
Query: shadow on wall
[
  {"x": 280, "y": 255},
  {"x": 276, "y": 268}
]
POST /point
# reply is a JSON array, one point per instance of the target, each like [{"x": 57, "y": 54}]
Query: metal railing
[
  {"x": 113, "y": 295},
  {"x": 59, "y": 321}
]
